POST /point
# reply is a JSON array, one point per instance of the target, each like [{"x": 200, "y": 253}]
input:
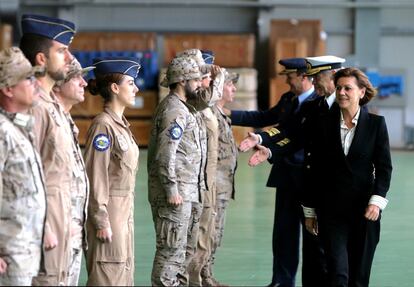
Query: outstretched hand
[
  {"x": 260, "y": 155},
  {"x": 249, "y": 142}
]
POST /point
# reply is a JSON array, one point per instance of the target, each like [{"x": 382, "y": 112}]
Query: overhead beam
[{"x": 266, "y": 4}]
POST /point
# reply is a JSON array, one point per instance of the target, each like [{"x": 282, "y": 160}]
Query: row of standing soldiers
[
  {"x": 191, "y": 166},
  {"x": 56, "y": 202}
]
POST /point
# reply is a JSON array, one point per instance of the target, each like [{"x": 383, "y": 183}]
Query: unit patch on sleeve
[
  {"x": 101, "y": 142},
  {"x": 175, "y": 131}
]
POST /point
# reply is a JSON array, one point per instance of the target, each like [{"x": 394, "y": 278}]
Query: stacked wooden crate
[
  {"x": 138, "y": 116},
  {"x": 6, "y": 36}
]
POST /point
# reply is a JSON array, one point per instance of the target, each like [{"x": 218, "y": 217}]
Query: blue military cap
[
  {"x": 293, "y": 65},
  {"x": 49, "y": 27},
  {"x": 208, "y": 56},
  {"x": 323, "y": 63},
  {"x": 121, "y": 65}
]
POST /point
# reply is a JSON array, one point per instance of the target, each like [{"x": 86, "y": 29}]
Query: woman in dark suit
[{"x": 350, "y": 176}]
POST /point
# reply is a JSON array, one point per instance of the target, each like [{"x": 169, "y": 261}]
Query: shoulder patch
[
  {"x": 175, "y": 131},
  {"x": 101, "y": 142}
]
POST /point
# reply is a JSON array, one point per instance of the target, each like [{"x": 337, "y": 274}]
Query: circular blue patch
[
  {"x": 176, "y": 131},
  {"x": 101, "y": 142}
]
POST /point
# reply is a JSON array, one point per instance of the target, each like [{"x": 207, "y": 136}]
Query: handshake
[{"x": 261, "y": 153}]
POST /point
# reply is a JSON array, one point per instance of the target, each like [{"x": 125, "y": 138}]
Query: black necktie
[
  {"x": 325, "y": 105},
  {"x": 295, "y": 105}
]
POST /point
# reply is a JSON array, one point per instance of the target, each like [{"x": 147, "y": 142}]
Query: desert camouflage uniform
[
  {"x": 22, "y": 204},
  {"x": 206, "y": 98},
  {"x": 226, "y": 167},
  {"x": 197, "y": 207},
  {"x": 206, "y": 234},
  {"x": 174, "y": 164},
  {"x": 80, "y": 194}
]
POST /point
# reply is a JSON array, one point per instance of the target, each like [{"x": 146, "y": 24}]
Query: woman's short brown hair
[{"x": 362, "y": 82}]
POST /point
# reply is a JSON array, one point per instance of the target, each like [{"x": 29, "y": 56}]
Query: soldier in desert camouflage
[
  {"x": 226, "y": 168},
  {"x": 69, "y": 92},
  {"x": 22, "y": 191},
  {"x": 211, "y": 89},
  {"x": 174, "y": 163}
]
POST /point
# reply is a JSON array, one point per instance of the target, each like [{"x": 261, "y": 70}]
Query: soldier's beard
[
  {"x": 57, "y": 75},
  {"x": 189, "y": 94}
]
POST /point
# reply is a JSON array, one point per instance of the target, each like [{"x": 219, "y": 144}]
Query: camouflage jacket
[
  {"x": 227, "y": 157},
  {"x": 22, "y": 199},
  {"x": 79, "y": 187},
  {"x": 212, "y": 133},
  {"x": 174, "y": 152}
]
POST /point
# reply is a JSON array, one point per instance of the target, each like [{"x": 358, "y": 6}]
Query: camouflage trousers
[
  {"x": 206, "y": 238},
  {"x": 176, "y": 231},
  {"x": 75, "y": 261},
  {"x": 23, "y": 280},
  {"x": 220, "y": 220}
]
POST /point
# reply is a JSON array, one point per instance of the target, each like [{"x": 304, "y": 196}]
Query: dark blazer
[
  {"x": 259, "y": 119},
  {"x": 342, "y": 185},
  {"x": 293, "y": 135},
  {"x": 287, "y": 169}
]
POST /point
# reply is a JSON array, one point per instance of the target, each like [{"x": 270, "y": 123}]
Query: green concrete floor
[{"x": 245, "y": 259}]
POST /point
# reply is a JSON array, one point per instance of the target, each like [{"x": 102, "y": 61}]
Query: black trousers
[
  {"x": 349, "y": 245},
  {"x": 287, "y": 227}
]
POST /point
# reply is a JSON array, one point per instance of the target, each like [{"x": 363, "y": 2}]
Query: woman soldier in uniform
[{"x": 111, "y": 157}]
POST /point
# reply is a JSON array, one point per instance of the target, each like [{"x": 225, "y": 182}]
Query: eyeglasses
[{"x": 32, "y": 79}]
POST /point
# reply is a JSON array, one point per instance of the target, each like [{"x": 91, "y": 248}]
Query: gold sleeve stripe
[
  {"x": 283, "y": 142},
  {"x": 273, "y": 132}
]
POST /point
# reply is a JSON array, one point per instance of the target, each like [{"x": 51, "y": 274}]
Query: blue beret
[
  {"x": 293, "y": 65},
  {"x": 52, "y": 28},
  {"x": 208, "y": 56},
  {"x": 120, "y": 65}
]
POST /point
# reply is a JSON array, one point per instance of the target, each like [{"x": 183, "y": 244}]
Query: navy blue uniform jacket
[{"x": 287, "y": 169}]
